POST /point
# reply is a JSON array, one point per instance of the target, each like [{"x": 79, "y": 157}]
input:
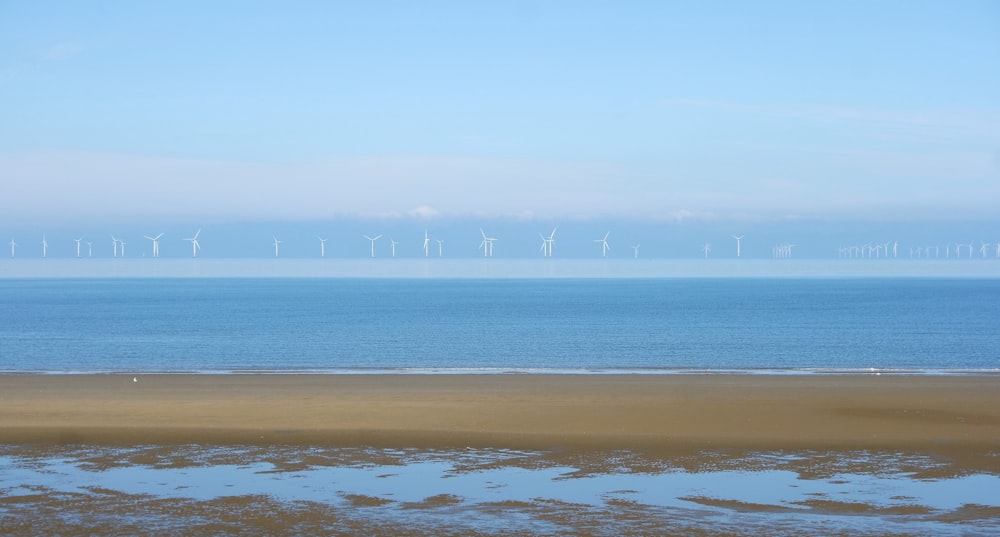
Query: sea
[
  {"x": 810, "y": 325},
  {"x": 508, "y": 325}
]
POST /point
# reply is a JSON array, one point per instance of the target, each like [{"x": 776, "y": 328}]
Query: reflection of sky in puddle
[{"x": 770, "y": 492}]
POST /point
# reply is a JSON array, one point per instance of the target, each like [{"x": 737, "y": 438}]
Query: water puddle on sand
[{"x": 207, "y": 490}]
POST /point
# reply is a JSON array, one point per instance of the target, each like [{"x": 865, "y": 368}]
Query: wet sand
[
  {"x": 830, "y": 431},
  {"x": 951, "y": 413}
]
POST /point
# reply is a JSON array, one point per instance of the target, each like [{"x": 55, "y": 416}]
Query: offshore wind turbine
[
  {"x": 739, "y": 239},
  {"x": 121, "y": 242},
  {"x": 45, "y": 246},
  {"x": 78, "y": 246},
  {"x": 548, "y": 242},
  {"x": 604, "y": 244},
  {"x": 427, "y": 242},
  {"x": 440, "y": 247},
  {"x": 373, "y": 239},
  {"x": 156, "y": 244},
  {"x": 276, "y": 243},
  {"x": 194, "y": 243},
  {"x": 394, "y": 243},
  {"x": 12, "y": 246},
  {"x": 322, "y": 246},
  {"x": 90, "y": 249},
  {"x": 706, "y": 248},
  {"x": 114, "y": 243},
  {"x": 636, "y": 250},
  {"x": 487, "y": 244}
]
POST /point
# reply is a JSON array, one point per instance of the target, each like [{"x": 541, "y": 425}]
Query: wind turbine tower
[
  {"x": 45, "y": 246},
  {"x": 604, "y": 244},
  {"x": 373, "y": 239},
  {"x": 427, "y": 242},
  {"x": 12, "y": 246},
  {"x": 706, "y": 248},
  {"x": 394, "y": 243},
  {"x": 440, "y": 247},
  {"x": 114, "y": 243},
  {"x": 636, "y": 250},
  {"x": 276, "y": 243},
  {"x": 322, "y": 246},
  {"x": 739, "y": 239},
  {"x": 487, "y": 244},
  {"x": 156, "y": 244},
  {"x": 90, "y": 249},
  {"x": 77, "y": 241},
  {"x": 194, "y": 243},
  {"x": 548, "y": 242}
]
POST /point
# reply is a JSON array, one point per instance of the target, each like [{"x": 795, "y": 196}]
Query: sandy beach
[
  {"x": 813, "y": 446},
  {"x": 518, "y": 411}
]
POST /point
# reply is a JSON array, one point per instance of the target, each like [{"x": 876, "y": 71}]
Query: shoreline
[
  {"x": 476, "y": 371},
  {"x": 959, "y": 414}
]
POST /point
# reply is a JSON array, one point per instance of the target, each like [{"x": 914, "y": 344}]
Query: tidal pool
[{"x": 194, "y": 490}]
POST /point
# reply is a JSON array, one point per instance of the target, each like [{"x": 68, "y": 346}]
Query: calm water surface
[{"x": 221, "y": 325}]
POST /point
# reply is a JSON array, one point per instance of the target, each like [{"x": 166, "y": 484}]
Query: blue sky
[{"x": 139, "y": 115}]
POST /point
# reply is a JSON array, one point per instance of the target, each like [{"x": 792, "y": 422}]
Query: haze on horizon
[{"x": 184, "y": 114}]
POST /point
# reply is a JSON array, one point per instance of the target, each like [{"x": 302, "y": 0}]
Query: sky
[{"x": 696, "y": 119}]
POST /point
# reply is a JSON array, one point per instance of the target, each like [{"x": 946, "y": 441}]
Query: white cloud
[
  {"x": 71, "y": 184},
  {"x": 424, "y": 212}
]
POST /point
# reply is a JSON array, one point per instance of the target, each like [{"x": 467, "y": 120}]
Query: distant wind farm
[{"x": 519, "y": 244}]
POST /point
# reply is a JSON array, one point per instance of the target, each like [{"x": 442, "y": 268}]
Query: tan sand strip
[{"x": 519, "y": 411}]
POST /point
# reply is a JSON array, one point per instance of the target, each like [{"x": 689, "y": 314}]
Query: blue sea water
[{"x": 773, "y": 325}]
